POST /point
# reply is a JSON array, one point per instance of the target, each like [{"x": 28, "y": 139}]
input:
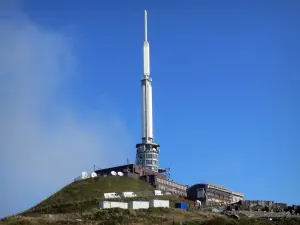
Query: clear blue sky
[{"x": 226, "y": 83}]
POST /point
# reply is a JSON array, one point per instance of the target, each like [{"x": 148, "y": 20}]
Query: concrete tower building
[{"x": 147, "y": 150}]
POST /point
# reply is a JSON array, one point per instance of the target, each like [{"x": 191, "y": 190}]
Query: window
[{"x": 200, "y": 193}]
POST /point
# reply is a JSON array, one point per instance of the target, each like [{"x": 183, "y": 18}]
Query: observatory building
[
  {"x": 211, "y": 194},
  {"x": 147, "y": 150},
  {"x": 156, "y": 179}
]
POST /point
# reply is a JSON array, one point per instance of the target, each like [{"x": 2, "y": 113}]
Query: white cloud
[{"x": 40, "y": 133}]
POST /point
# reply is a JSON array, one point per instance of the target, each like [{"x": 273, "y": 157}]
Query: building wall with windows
[
  {"x": 131, "y": 170},
  {"x": 166, "y": 185},
  {"x": 171, "y": 186},
  {"x": 158, "y": 180},
  {"x": 148, "y": 160},
  {"x": 210, "y": 194},
  {"x": 147, "y": 156}
]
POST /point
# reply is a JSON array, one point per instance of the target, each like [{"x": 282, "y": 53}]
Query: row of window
[
  {"x": 148, "y": 148},
  {"x": 219, "y": 196},
  {"x": 162, "y": 181},
  {"x": 154, "y": 168},
  {"x": 217, "y": 191},
  {"x": 148, "y": 156},
  {"x": 178, "y": 192},
  {"x": 148, "y": 162}
]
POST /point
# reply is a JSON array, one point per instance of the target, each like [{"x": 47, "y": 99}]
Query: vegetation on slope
[
  {"x": 85, "y": 195},
  {"x": 150, "y": 216},
  {"x": 77, "y": 203},
  {"x": 93, "y": 189}
]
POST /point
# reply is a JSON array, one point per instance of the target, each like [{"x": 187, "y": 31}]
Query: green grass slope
[
  {"x": 92, "y": 190},
  {"x": 77, "y": 203},
  {"x": 153, "y": 216}
]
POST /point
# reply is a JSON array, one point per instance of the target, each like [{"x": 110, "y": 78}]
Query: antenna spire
[
  {"x": 146, "y": 25},
  {"x": 146, "y": 49}
]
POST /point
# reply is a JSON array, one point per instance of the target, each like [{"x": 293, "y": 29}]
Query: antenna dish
[
  {"x": 93, "y": 174},
  {"x": 120, "y": 174},
  {"x": 114, "y": 173},
  {"x": 84, "y": 175}
]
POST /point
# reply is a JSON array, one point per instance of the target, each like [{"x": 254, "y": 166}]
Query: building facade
[
  {"x": 156, "y": 179},
  {"x": 130, "y": 170},
  {"x": 210, "y": 194},
  {"x": 166, "y": 185}
]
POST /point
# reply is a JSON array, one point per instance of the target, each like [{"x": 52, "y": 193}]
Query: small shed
[{"x": 181, "y": 205}]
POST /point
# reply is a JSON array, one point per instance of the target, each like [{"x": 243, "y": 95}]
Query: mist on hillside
[{"x": 44, "y": 140}]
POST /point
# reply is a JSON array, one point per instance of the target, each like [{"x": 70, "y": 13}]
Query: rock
[
  {"x": 235, "y": 216},
  {"x": 51, "y": 217}
]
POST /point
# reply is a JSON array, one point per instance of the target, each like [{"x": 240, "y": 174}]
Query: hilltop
[
  {"x": 77, "y": 203},
  {"x": 87, "y": 193}
]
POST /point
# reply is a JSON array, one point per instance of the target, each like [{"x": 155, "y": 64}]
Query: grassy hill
[
  {"x": 77, "y": 203},
  {"x": 94, "y": 188},
  {"x": 87, "y": 193}
]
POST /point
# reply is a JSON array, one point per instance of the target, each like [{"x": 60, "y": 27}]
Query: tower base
[{"x": 147, "y": 155}]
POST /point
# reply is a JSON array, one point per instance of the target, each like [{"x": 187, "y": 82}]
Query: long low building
[
  {"x": 166, "y": 185},
  {"x": 210, "y": 194},
  {"x": 130, "y": 170}
]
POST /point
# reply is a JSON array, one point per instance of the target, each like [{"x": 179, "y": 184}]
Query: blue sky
[{"x": 226, "y": 88}]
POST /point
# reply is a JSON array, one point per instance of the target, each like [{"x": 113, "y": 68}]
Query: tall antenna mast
[
  {"x": 146, "y": 48},
  {"x": 147, "y": 147},
  {"x": 146, "y": 27}
]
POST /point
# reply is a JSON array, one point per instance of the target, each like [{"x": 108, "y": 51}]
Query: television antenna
[
  {"x": 114, "y": 173},
  {"x": 94, "y": 174},
  {"x": 84, "y": 175},
  {"x": 120, "y": 174}
]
